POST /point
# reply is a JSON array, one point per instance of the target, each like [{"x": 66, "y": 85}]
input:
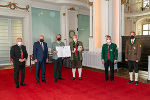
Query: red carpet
[{"x": 92, "y": 87}]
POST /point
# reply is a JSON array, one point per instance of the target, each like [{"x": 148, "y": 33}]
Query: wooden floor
[{"x": 122, "y": 72}]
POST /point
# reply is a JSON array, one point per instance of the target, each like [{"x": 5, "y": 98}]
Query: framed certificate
[{"x": 63, "y": 51}]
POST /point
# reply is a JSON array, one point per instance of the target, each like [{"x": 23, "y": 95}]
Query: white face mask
[
  {"x": 19, "y": 43},
  {"x": 108, "y": 41},
  {"x": 75, "y": 39}
]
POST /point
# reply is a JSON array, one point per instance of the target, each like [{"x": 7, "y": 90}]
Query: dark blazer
[
  {"x": 15, "y": 54},
  {"x": 38, "y": 52}
]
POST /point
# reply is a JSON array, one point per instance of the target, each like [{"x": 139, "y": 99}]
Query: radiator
[{"x": 93, "y": 60}]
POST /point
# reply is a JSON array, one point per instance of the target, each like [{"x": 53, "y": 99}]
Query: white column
[
  {"x": 148, "y": 67},
  {"x": 67, "y": 28},
  {"x": 105, "y": 20},
  {"x": 28, "y": 35},
  {"x": 91, "y": 19},
  {"x": 107, "y": 17},
  {"x": 110, "y": 14},
  {"x": 63, "y": 24},
  {"x": 121, "y": 32},
  {"x": 91, "y": 40}
]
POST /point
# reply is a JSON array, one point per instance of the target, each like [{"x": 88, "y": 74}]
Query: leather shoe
[
  {"x": 136, "y": 83},
  {"x": 22, "y": 84},
  {"x": 129, "y": 82},
  {"x": 112, "y": 80},
  {"x": 37, "y": 82},
  {"x": 61, "y": 79},
  {"x": 80, "y": 78},
  {"x": 73, "y": 78},
  {"x": 44, "y": 81},
  {"x": 55, "y": 80},
  {"x": 17, "y": 86}
]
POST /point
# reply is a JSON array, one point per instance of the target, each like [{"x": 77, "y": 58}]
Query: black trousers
[
  {"x": 133, "y": 64},
  {"x": 107, "y": 64},
  {"x": 17, "y": 68},
  {"x": 57, "y": 68}
]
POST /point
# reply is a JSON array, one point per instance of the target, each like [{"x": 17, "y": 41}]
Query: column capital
[
  {"x": 90, "y": 3},
  {"x": 122, "y": 2}
]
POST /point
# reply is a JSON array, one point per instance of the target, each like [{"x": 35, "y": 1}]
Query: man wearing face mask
[
  {"x": 18, "y": 54},
  {"x": 40, "y": 56},
  {"x": 57, "y": 60},
  {"x": 133, "y": 55},
  {"x": 109, "y": 57},
  {"x": 76, "y": 56}
]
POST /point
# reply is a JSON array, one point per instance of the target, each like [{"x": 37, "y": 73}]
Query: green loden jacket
[
  {"x": 113, "y": 51},
  {"x": 72, "y": 44}
]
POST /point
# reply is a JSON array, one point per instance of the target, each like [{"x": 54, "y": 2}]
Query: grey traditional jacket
[{"x": 54, "y": 45}]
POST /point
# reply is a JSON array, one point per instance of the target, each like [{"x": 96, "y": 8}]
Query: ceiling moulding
[
  {"x": 82, "y": 3},
  {"x": 14, "y": 6}
]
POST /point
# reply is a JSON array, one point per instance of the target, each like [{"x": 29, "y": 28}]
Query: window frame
[{"x": 146, "y": 30}]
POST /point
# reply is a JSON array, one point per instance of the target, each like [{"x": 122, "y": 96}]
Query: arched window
[{"x": 146, "y": 29}]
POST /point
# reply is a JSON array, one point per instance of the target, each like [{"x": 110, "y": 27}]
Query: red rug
[{"x": 92, "y": 87}]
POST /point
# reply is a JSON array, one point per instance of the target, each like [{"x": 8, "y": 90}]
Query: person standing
[
  {"x": 19, "y": 55},
  {"x": 132, "y": 56},
  {"x": 40, "y": 56},
  {"x": 57, "y": 60},
  {"x": 76, "y": 56},
  {"x": 109, "y": 57}
]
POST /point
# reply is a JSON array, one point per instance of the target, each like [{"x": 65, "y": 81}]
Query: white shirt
[{"x": 132, "y": 40}]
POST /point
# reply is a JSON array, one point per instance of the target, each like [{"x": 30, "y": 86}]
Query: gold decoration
[
  {"x": 90, "y": 3},
  {"x": 14, "y": 6},
  {"x": 107, "y": 36},
  {"x": 123, "y": 2},
  {"x": 73, "y": 9},
  {"x": 140, "y": 45},
  {"x": 64, "y": 14}
]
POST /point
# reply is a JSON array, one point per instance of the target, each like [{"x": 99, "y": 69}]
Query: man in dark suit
[
  {"x": 40, "y": 56},
  {"x": 19, "y": 56}
]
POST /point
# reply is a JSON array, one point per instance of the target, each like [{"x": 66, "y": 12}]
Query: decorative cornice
[
  {"x": 14, "y": 6},
  {"x": 72, "y": 9}
]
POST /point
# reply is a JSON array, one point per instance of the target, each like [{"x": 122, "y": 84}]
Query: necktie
[
  {"x": 108, "y": 54},
  {"x": 76, "y": 52},
  {"x": 41, "y": 45},
  {"x": 132, "y": 41},
  {"x": 21, "y": 53}
]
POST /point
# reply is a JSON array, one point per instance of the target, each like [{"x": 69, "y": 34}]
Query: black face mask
[
  {"x": 41, "y": 40},
  {"x": 58, "y": 39},
  {"x": 132, "y": 37}
]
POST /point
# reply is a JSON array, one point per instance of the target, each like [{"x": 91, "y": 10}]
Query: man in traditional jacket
[
  {"x": 76, "y": 56},
  {"x": 109, "y": 57},
  {"x": 133, "y": 55}
]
